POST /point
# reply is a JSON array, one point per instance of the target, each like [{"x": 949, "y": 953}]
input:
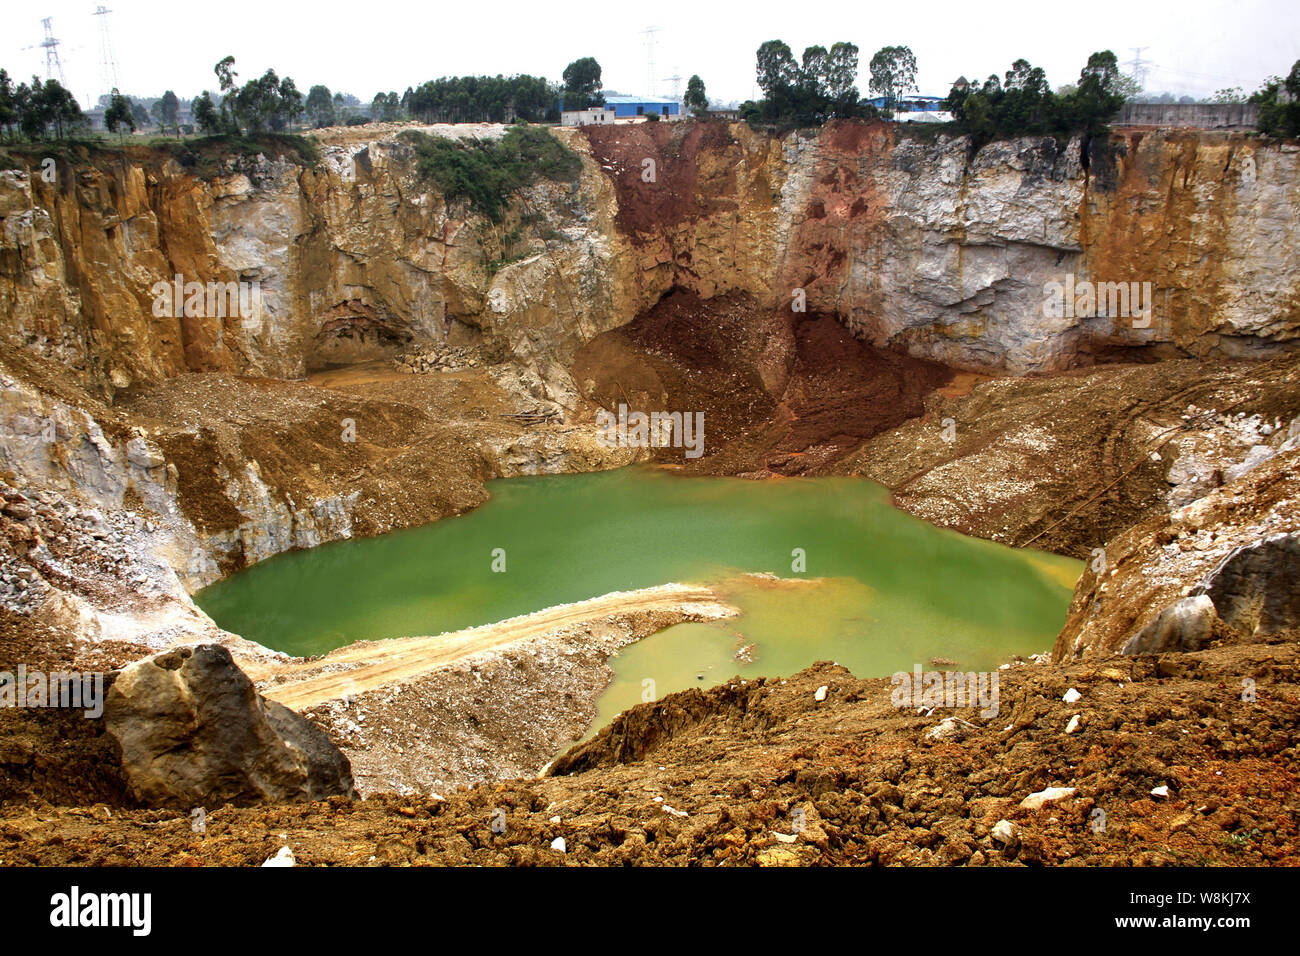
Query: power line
[
  {"x": 1138, "y": 66},
  {"x": 51, "y": 45},
  {"x": 107, "y": 62},
  {"x": 649, "y": 34},
  {"x": 676, "y": 81}
]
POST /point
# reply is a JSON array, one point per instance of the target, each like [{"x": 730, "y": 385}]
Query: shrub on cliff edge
[
  {"x": 1279, "y": 114},
  {"x": 486, "y": 172}
]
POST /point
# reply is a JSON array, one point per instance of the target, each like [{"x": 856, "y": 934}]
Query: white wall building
[{"x": 591, "y": 117}]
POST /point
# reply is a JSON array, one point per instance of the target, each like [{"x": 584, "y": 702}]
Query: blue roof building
[
  {"x": 912, "y": 104},
  {"x": 626, "y": 106}
]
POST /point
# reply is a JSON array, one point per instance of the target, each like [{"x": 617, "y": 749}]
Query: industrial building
[
  {"x": 911, "y": 104},
  {"x": 626, "y": 106},
  {"x": 623, "y": 107}
]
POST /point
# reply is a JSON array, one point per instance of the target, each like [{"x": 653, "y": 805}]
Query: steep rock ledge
[{"x": 904, "y": 236}]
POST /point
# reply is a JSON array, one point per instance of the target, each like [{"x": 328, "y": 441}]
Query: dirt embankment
[
  {"x": 1067, "y": 462},
  {"x": 369, "y": 439},
  {"x": 668, "y": 191},
  {"x": 422, "y": 714},
  {"x": 1165, "y": 558},
  {"x": 765, "y": 773},
  {"x": 781, "y": 392}
]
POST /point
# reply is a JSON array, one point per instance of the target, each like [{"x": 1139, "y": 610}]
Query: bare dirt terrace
[{"x": 716, "y": 777}]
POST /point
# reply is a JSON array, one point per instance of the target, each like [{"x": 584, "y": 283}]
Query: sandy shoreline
[{"x": 422, "y": 714}]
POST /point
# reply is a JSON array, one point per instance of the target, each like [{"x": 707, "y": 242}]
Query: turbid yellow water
[{"x": 863, "y": 583}]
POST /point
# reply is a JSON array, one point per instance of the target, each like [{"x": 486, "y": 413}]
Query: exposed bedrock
[
  {"x": 194, "y": 732},
  {"x": 1223, "y": 568},
  {"x": 1257, "y": 587},
  {"x": 905, "y": 237}
]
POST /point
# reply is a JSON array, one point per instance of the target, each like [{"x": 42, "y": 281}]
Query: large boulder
[
  {"x": 1186, "y": 625},
  {"x": 195, "y": 732},
  {"x": 1256, "y": 588}
]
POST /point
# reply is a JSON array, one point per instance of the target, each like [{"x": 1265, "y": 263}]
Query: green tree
[
  {"x": 257, "y": 101},
  {"x": 582, "y": 84},
  {"x": 320, "y": 107},
  {"x": 119, "y": 114},
  {"x": 1022, "y": 102},
  {"x": 1279, "y": 104},
  {"x": 469, "y": 99},
  {"x": 205, "y": 114},
  {"x": 226, "y": 77},
  {"x": 386, "y": 107},
  {"x": 1024, "y": 98},
  {"x": 782, "y": 83},
  {"x": 812, "y": 71},
  {"x": 841, "y": 77},
  {"x": 226, "y": 74},
  {"x": 695, "y": 100},
  {"x": 33, "y": 113},
  {"x": 777, "y": 72},
  {"x": 1098, "y": 97},
  {"x": 289, "y": 108},
  {"x": 893, "y": 74},
  {"x": 8, "y": 104},
  {"x": 266, "y": 103},
  {"x": 821, "y": 85},
  {"x": 57, "y": 106},
  {"x": 168, "y": 110}
]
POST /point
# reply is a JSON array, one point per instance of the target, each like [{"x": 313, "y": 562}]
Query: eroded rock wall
[
  {"x": 915, "y": 243},
  {"x": 904, "y": 235}
]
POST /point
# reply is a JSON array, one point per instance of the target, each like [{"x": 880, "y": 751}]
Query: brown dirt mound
[
  {"x": 56, "y": 755},
  {"x": 644, "y": 207},
  {"x": 719, "y": 777},
  {"x": 781, "y": 392},
  {"x": 1063, "y": 462}
]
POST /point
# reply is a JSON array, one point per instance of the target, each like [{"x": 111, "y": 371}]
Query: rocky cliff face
[
  {"x": 352, "y": 259},
  {"x": 905, "y": 236},
  {"x": 916, "y": 244}
]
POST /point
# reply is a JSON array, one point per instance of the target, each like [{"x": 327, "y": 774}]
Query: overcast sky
[{"x": 1194, "y": 46}]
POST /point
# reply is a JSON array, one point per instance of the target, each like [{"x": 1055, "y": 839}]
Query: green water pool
[{"x": 883, "y": 591}]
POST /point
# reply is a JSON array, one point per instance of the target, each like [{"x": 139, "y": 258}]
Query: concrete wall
[{"x": 1199, "y": 115}]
